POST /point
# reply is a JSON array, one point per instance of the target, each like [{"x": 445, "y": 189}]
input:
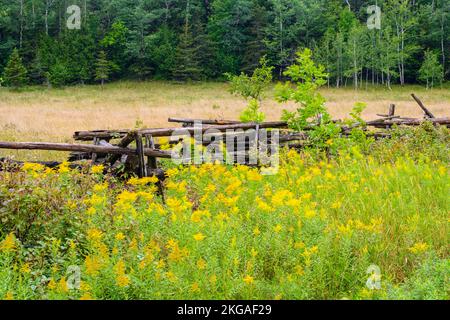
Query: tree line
[{"x": 206, "y": 39}]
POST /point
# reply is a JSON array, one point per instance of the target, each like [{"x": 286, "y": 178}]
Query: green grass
[{"x": 309, "y": 232}]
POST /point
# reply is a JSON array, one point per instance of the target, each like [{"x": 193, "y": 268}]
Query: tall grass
[{"x": 310, "y": 232}]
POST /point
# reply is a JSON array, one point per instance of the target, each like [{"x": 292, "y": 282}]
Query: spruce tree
[
  {"x": 103, "y": 68},
  {"x": 186, "y": 65},
  {"x": 15, "y": 74}
]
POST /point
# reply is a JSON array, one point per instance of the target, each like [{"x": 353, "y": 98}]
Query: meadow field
[
  {"x": 368, "y": 221},
  {"x": 40, "y": 114}
]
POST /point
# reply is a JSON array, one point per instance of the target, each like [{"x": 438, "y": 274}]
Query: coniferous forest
[{"x": 187, "y": 40}]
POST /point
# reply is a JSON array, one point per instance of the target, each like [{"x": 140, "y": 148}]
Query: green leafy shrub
[
  {"x": 307, "y": 78},
  {"x": 252, "y": 88}
]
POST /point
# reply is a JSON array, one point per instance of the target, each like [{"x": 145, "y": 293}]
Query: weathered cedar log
[
  {"x": 125, "y": 142},
  {"x": 203, "y": 121},
  {"x": 101, "y": 134},
  {"x": 421, "y": 105},
  {"x": 391, "y": 110},
  {"x": 80, "y": 148},
  {"x": 167, "y": 132},
  {"x": 142, "y": 169},
  {"x": 78, "y": 156},
  {"x": 411, "y": 122}
]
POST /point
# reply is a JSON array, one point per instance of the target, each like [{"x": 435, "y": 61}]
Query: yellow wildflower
[
  {"x": 62, "y": 285},
  {"x": 94, "y": 235},
  {"x": 201, "y": 264},
  {"x": 9, "y": 296},
  {"x": 99, "y": 188},
  {"x": 93, "y": 265},
  {"x": 120, "y": 236},
  {"x": 249, "y": 279},
  {"x": 142, "y": 181},
  {"x": 122, "y": 280},
  {"x": 97, "y": 169},
  {"x": 195, "y": 287},
  {"x": 9, "y": 243},
  {"x": 199, "y": 237},
  {"x": 419, "y": 247},
  {"x": 171, "y": 276},
  {"x": 32, "y": 167},
  {"x": 51, "y": 284},
  {"x": 86, "y": 297},
  {"x": 25, "y": 268}
]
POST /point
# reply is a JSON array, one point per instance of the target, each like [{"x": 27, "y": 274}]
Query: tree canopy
[{"x": 205, "y": 39}]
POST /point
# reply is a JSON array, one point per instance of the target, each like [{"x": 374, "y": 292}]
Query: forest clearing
[
  {"x": 54, "y": 114},
  {"x": 254, "y": 150},
  {"x": 312, "y": 231}
]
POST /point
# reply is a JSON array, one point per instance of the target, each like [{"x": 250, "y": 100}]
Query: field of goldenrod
[{"x": 315, "y": 230}]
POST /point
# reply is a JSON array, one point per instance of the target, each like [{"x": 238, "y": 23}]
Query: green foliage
[
  {"x": 228, "y": 232},
  {"x": 252, "y": 87},
  {"x": 307, "y": 78},
  {"x": 59, "y": 74},
  {"x": 431, "y": 70},
  {"x": 186, "y": 66},
  {"x": 15, "y": 74},
  {"x": 147, "y": 39},
  {"x": 252, "y": 113},
  {"x": 103, "y": 68}
]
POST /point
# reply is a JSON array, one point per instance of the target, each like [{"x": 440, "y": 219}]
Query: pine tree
[
  {"x": 103, "y": 68},
  {"x": 15, "y": 74},
  {"x": 186, "y": 65},
  {"x": 431, "y": 70}
]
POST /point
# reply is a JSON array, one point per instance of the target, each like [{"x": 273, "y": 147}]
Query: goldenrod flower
[
  {"x": 199, "y": 237},
  {"x": 277, "y": 228},
  {"x": 93, "y": 265},
  {"x": 32, "y": 167},
  {"x": 195, "y": 287},
  {"x": 201, "y": 264},
  {"x": 99, "y": 188},
  {"x": 419, "y": 247},
  {"x": 91, "y": 211},
  {"x": 9, "y": 243},
  {"x": 249, "y": 279},
  {"x": 86, "y": 296},
  {"x": 25, "y": 268},
  {"x": 9, "y": 296},
  {"x": 94, "y": 235},
  {"x": 122, "y": 280},
  {"x": 120, "y": 236},
  {"x": 97, "y": 169},
  {"x": 51, "y": 284}
]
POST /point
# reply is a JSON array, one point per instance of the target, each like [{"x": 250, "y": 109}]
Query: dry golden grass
[{"x": 41, "y": 114}]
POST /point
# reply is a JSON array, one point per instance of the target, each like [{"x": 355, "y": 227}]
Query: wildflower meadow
[{"x": 370, "y": 222}]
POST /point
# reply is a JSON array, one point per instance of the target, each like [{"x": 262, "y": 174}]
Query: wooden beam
[
  {"x": 421, "y": 105},
  {"x": 142, "y": 170},
  {"x": 203, "y": 121},
  {"x": 80, "y": 148},
  {"x": 167, "y": 132},
  {"x": 124, "y": 143},
  {"x": 391, "y": 110},
  {"x": 411, "y": 122}
]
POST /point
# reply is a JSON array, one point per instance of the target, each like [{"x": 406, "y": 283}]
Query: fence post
[{"x": 140, "y": 154}]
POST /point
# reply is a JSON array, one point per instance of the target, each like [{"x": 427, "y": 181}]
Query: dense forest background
[{"x": 203, "y": 39}]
